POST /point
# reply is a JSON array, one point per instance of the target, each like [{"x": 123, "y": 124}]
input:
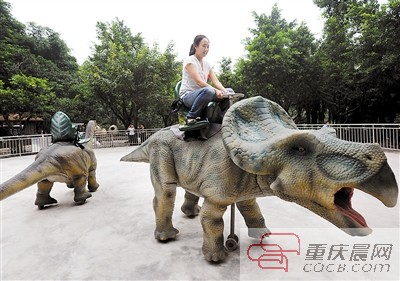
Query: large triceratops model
[
  {"x": 69, "y": 159},
  {"x": 260, "y": 152}
]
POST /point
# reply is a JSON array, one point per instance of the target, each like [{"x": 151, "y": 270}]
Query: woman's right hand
[{"x": 220, "y": 93}]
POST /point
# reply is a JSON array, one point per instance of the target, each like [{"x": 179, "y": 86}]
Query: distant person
[
  {"x": 131, "y": 134},
  {"x": 195, "y": 91},
  {"x": 326, "y": 124},
  {"x": 142, "y": 133}
]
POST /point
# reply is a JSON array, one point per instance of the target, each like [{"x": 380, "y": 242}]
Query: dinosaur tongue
[{"x": 343, "y": 205}]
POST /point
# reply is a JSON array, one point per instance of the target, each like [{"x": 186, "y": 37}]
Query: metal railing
[
  {"x": 121, "y": 138},
  {"x": 23, "y": 145},
  {"x": 386, "y": 135},
  {"x": 31, "y": 144}
]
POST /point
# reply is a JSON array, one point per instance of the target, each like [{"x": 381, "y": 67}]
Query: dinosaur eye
[{"x": 299, "y": 150}]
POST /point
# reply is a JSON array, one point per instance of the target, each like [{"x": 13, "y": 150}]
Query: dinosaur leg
[
  {"x": 163, "y": 204},
  {"x": 213, "y": 231},
  {"x": 43, "y": 194},
  {"x": 253, "y": 217},
  {"x": 162, "y": 173},
  {"x": 92, "y": 182},
  {"x": 190, "y": 206},
  {"x": 81, "y": 194}
]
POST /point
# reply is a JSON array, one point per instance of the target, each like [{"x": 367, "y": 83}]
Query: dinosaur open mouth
[{"x": 343, "y": 205}]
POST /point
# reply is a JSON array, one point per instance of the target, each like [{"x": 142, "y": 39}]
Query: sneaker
[{"x": 190, "y": 121}]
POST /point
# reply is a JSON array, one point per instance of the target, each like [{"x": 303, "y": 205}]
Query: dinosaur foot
[
  {"x": 93, "y": 188},
  {"x": 258, "y": 232},
  {"x": 166, "y": 235},
  {"x": 43, "y": 200},
  {"x": 191, "y": 211},
  {"x": 216, "y": 256},
  {"x": 81, "y": 198}
]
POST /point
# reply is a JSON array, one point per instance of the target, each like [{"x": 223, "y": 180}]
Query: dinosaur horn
[{"x": 251, "y": 129}]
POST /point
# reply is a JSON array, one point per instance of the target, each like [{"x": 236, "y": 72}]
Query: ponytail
[{"x": 192, "y": 50}]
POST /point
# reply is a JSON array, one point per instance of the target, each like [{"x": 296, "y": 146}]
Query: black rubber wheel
[
  {"x": 234, "y": 236},
  {"x": 232, "y": 242}
]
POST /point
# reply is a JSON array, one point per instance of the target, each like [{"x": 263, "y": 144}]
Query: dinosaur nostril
[{"x": 369, "y": 157}]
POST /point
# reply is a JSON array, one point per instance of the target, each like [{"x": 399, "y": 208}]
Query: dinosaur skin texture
[
  {"x": 260, "y": 152},
  {"x": 59, "y": 162}
]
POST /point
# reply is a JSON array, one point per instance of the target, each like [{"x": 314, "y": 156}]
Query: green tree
[
  {"x": 336, "y": 54},
  {"x": 13, "y": 44},
  {"x": 27, "y": 96},
  {"x": 226, "y": 75},
  {"x": 378, "y": 74},
  {"x": 38, "y": 53},
  {"x": 52, "y": 59},
  {"x": 389, "y": 81},
  {"x": 130, "y": 78},
  {"x": 360, "y": 60},
  {"x": 280, "y": 64}
]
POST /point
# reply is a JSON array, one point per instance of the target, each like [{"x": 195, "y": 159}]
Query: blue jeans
[{"x": 198, "y": 100}]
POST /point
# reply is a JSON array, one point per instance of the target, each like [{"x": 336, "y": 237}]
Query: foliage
[
  {"x": 351, "y": 74},
  {"x": 130, "y": 78},
  {"x": 13, "y": 44},
  {"x": 226, "y": 76},
  {"x": 37, "y": 72},
  {"x": 27, "y": 96},
  {"x": 280, "y": 63},
  {"x": 360, "y": 60}
]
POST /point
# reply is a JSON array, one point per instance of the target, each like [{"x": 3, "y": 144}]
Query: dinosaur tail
[
  {"x": 89, "y": 134},
  {"x": 29, "y": 176},
  {"x": 140, "y": 154}
]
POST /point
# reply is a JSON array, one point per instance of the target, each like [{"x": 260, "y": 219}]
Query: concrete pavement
[{"x": 111, "y": 236}]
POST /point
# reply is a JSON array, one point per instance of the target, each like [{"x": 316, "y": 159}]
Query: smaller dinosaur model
[{"x": 69, "y": 159}]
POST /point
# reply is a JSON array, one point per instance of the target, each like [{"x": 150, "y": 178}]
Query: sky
[{"x": 225, "y": 22}]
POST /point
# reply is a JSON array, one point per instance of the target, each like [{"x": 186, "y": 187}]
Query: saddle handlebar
[{"x": 233, "y": 95}]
